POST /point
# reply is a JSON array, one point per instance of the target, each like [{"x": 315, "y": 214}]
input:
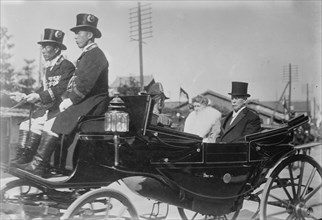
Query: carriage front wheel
[
  {"x": 293, "y": 190},
  {"x": 101, "y": 204}
]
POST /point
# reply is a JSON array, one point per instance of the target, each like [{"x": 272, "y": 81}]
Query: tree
[
  {"x": 132, "y": 87},
  {"x": 24, "y": 79},
  {"x": 6, "y": 69},
  {"x": 10, "y": 80}
]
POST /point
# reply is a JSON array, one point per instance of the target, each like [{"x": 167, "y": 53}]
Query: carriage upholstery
[{"x": 138, "y": 108}]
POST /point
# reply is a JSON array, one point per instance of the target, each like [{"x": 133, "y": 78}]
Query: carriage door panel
[{"x": 226, "y": 153}]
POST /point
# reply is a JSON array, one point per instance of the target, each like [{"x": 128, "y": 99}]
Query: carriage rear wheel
[
  {"x": 293, "y": 190},
  {"x": 101, "y": 204}
]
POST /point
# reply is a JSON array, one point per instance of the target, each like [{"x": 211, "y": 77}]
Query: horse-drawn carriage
[{"x": 172, "y": 167}]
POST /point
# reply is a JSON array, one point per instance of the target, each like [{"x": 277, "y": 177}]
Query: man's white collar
[
  {"x": 88, "y": 46},
  {"x": 52, "y": 62},
  {"x": 236, "y": 113}
]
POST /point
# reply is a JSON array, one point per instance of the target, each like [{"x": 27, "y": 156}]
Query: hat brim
[
  {"x": 60, "y": 45},
  {"x": 96, "y": 32},
  {"x": 239, "y": 94}
]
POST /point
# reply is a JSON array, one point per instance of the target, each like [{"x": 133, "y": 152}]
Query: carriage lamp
[{"x": 117, "y": 121}]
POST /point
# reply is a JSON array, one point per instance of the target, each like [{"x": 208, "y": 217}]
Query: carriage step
[{"x": 155, "y": 213}]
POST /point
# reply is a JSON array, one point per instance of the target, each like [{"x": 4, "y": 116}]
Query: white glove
[
  {"x": 65, "y": 104},
  {"x": 17, "y": 96},
  {"x": 32, "y": 97}
]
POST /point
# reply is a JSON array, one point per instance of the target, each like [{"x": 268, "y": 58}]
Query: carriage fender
[
  {"x": 144, "y": 185},
  {"x": 155, "y": 189}
]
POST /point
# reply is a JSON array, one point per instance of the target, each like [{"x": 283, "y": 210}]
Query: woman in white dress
[{"x": 204, "y": 120}]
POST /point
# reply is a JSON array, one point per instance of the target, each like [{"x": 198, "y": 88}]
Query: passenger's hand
[
  {"x": 65, "y": 104},
  {"x": 164, "y": 120},
  {"x": 17, "y": 96},
  {"x": 32, "y": 97}
]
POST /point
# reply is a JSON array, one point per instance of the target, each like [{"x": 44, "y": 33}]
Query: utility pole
[
  {"x": 279, "y": 101},
  {"x": 140, "y": 29},
  {"x": 290, "y": 87},
  {"x": 314, "y": 106},
  {"x": 290, "y": 74},
  {"x": 307, "y": 100}
]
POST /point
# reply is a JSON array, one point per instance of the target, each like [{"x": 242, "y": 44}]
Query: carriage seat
[{"x": 138, "y": 108}]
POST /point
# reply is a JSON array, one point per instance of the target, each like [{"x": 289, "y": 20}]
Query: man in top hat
[
  {"x": 58, "y": 73},
  {"x": 87, "y": 91},
  {"x": 157, "y": 94},
  {"x": 241, "y": 121}
]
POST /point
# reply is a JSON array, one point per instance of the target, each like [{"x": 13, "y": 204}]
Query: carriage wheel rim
[{"x": 298, "y": 203}]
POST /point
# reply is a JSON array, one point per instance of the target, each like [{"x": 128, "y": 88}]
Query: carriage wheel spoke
[
  {"x": 280, "y": 200},
  {"x": 194, "y": 216},
  {"x": 308, "y": 182},
  {"x": 300, "y": 179},
  {"x": 314, "y": 218},
  {"x": 290, "y": 167},
  {"x": 108, "y": 205},
  {"x": 122, "y": 211},
  {"x": 315, "y": 205},
  {"x": 290, "y": 217},
  {"x": 284, "y": 188},
  {"x": 277, "y": 213},
  {"x": 308, "y": 196}
]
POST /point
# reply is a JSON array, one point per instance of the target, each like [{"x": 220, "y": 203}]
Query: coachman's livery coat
[
  {"x": 88, "y": 90},
  {"x": 56, "y": 81}
]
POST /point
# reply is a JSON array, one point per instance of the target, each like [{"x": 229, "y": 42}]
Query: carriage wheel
[
  {"x": 196, "y": 215},
  {"x": 293, "y": 190},
  {"x": 18, "y": 189},
  {"x": 101, "y": 204},
  {"x": 14, "y": 193}
]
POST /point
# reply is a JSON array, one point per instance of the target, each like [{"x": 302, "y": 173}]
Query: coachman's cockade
[{"x": 176, "y": 168}]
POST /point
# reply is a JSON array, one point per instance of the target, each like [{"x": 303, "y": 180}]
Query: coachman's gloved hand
[
  {"x": 32, "y": 97},
  {"x": 65, "y": 104},
  {"x": 17, "y": 96}
]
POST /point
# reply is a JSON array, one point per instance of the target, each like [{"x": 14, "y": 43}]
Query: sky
[{"x": 196, "y": 45}]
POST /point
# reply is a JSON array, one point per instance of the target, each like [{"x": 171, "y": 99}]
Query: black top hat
[
  {"x": 239, "y": 88},
  {"x": 87, "y": 22},
  {"x": 156, "y": 89},
  {"x": 53, "y": 36}
]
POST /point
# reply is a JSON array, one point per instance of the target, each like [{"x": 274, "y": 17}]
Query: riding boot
[
  {"x": 29, "y": 150},
  {"x": 40, "y": 163},
  {"x": 22, "y": 142}
]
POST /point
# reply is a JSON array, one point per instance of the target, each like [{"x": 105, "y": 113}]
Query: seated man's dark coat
[{"x": 246, "y": 122}]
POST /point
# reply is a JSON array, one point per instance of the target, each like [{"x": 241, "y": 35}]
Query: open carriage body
[{"x": 174, "y": 168}]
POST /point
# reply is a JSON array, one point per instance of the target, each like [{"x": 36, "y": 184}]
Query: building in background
[
  {"x": 271, "y": 113},
  {"x": 10, "y": 118},
  {"x": 128, "y": 81}
]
